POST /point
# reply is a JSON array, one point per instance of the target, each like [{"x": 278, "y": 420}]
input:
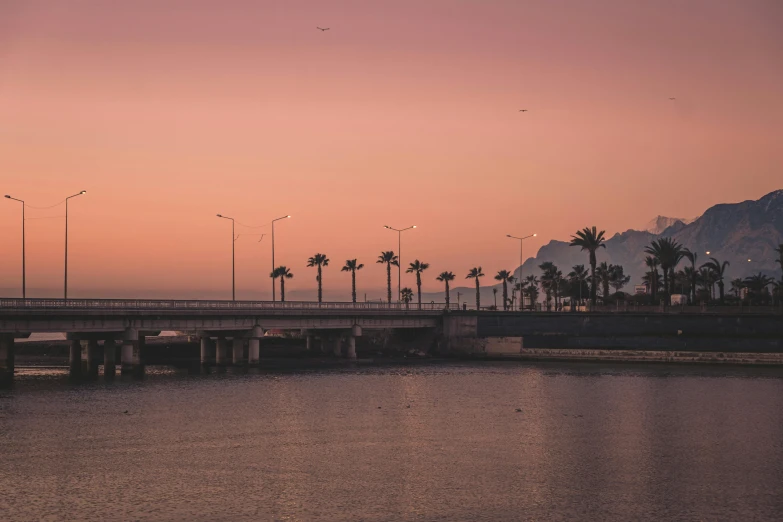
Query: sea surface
[{"x": 456, "y": 441}]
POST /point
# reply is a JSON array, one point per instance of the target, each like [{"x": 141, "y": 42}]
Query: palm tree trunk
[
  {"x": 388, "y": 282},
  {"x": 720, "y": 288},
  {"x": 447, "y": 294},
  {"x": 319, "y": 284},
  {"x": 282, "y": 290},
  {"x": 353, "y": 285},
  {"x": 666, "y": 284},
  {"x": 592, "y": 276},
  {"x": 505, "y": 296},
  {"x": 478, "y": 295},
  {"x": 418, "y": 286}
]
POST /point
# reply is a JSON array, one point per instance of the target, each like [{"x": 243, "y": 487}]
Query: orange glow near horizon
[{"x": 404, "y": 112}]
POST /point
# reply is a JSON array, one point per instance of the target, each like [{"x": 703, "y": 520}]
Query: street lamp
[
  {"x": 273, "y": 253},
  {"x": 233, "y": 240},
  {"x": 399, "y": 256},
  {"x": 65, "y": 293},
  {"x": 24, "y": 283},
  {"x": 521, "y": 260}
]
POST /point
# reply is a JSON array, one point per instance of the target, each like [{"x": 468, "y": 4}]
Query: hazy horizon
[{"x": 400, "y": 114}]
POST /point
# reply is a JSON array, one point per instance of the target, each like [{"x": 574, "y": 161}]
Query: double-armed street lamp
[
  {"x": 273, "y": 253},
  {"x": 65, "y": 292},
  {"x": 233, "y": 272},
  {"x": 399, "y": 256},
  {"x": 24, "y": 282},
  {"x": 521, "y": 259}
]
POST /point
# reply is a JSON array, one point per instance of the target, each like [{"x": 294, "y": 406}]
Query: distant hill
[{"x": 733, "y": 232}]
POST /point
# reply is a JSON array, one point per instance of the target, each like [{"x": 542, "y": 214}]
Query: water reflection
[{"x": 394, "y": 443}]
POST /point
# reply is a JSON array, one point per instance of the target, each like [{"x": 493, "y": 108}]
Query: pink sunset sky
[{"x": 404, "y": 112}]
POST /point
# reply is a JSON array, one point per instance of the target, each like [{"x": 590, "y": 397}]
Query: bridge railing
[{"x": 176, "y": 304}]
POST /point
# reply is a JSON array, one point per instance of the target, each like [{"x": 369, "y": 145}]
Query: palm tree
[
  {"x": 283, "y": 273},
  {"x": 445, "y": 277},
  {"x": 707, "y": 280},
  {"x": 692, "y": 257},
  {"x": 505, "y": 277},
  {"x": 418, "y": 267},
  {"x": 602, "y": 273},
  {"x": 406, "y": 294},
  {"x": 719, "y": 270},
  {"x": 652, "y": 263},
  {"x": 518, "y": 287},
  {"x": 390, "y": 259},
  {"x": 351, "y": 265},
  {"x": 578, "y": 277},
  {"x": 475, "y": 273},
  {"x": 591, "y": 240},
  {"x": 548, "y": 276},
  {"x": 318, "y": 260},
  {"x": 736, "y": 286},
  {"x": 531, "y": 289},
  {"x": 757, "y": 285},
  {"x": 669, "y": 253}
]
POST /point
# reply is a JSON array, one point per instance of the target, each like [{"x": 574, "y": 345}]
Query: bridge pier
[
  {"x": 338, "y": 346},
  {"x": 109, "y": 358},
  {"x": 75, "y": 359},
  {"x": 253, "y": 351},
  {"x": 356, "y": 331},
  {"x": 132, "y": 353},
  {"x": 89, "y": 358},
  {"x": 6, "y": 359},
  {"x": 221, "y": 352},
  {"x": 207, "y": 352},
  {"x": 310, "y": 344},
  {"x": 238, "y": 345}
]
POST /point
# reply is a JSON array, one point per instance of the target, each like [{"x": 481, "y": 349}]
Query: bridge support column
[
  {"x": 109, "y": 358},
  {"x": 90, "y": 360},
  {"x": 338, "y": 346},
  {"x": 221, "y": 352},
  {"x": 310, "y": 344},
  {"x": 131, "y": 353},
  {"x": 253, "y": 351},
  {"x": 324, "y": 350},
  {"x": 356, "y": 331},
  {"x": 75, "y": 359},
  {"x": 6, "y": 359},
  {"x": 239, "y": 351},
  {"x": 207, "y": 352}
]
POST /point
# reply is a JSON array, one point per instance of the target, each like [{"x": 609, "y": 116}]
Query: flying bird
[
  {"x": 522, "y": 110},
  {"x": 672, "y": 98},
  {"x": 323, "y": 28}
]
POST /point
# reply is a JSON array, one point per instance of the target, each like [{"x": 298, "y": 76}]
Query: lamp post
[
  {"x": 24, "y": 283},
  {"x": 399, "y": 256},
  {"x": 273, "y": 253},
  {"x": 65, "y": 293},
  {"x": 521, "y": 260},
  {"x": 233, "y": 240}
]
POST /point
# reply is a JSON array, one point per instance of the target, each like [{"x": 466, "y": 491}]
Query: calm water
[{"x": 398, "y": 443}]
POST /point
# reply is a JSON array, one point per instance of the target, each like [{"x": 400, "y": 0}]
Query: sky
[{"x": 404, "y": 112}]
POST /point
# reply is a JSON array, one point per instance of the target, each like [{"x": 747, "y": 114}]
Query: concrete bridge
[
  {"x": 226, "y": 328},
  {"x": 231, "y": 332}
]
